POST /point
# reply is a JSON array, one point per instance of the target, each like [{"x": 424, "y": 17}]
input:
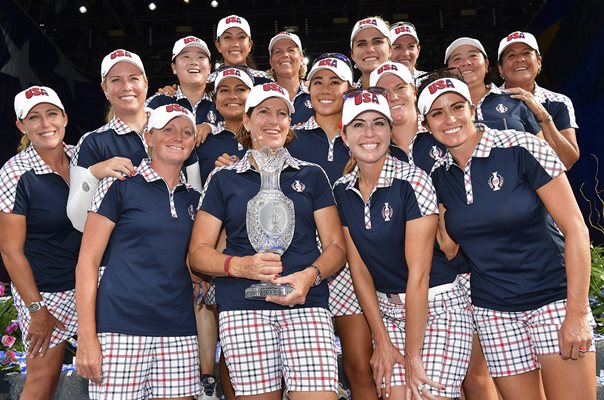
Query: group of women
[{"x": 433, "y": 224}]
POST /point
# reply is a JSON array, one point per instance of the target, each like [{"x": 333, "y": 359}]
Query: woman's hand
[
  {"x": 117, "y": 167},
  {"x": 225, "y": 159},
  {"x": 203, "y": 130},
  {"x": 40, "y": 332},
  {"x": 574, "y": 336},
  {"x": 531, "y": 102},
  {"x": 89, "y": 359},
  {"x": 385, "y": 357},
  {"x": 418, "y": 383},
  {"x": 300, "y": 281},
  {"x": 259, "y": 267},
  {"x": 169, "y": 90}
]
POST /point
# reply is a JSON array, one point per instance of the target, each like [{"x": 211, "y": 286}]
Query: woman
[
  {"x": 138, "y": 327},
  {"x": 191, "y": 63},
  {"x": 494, "y": 108},
  {"x": 529, "y": 293},
  {"x": 369, "y": 46},
  {"x": 388, "y": 209},
  {"x": 405, "y": 46},
  {"x": 422, "y": 150},
  {"x": 234, "y": 43},
  {"x": 519, "y": 63},
  {"x": 275, "y": 329},
  {"x": 38, "y": 244},
  {"x": 319, "y": 141},
  {"x": 288, "y": 69}
]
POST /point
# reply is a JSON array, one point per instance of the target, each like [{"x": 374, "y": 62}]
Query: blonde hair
[{"x": 23, "y": 143}]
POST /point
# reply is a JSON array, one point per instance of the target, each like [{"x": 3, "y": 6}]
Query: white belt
[{"x": 399, "y": 298}]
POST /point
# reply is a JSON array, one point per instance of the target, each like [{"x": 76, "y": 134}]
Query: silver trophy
[{"x": 270, "y": 218}]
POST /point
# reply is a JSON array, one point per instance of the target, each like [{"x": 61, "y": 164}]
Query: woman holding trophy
[{"x": 271, "y": 204}]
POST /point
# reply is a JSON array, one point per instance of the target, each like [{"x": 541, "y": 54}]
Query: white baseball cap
[
  {"x": 518, "y": 37},
  {"x": 162, "y": 115},
  {"x": 233, "y": 21},
  {"x": 402, "y": 28},
  {"x": 189, "y": 41},
  {"x": 259, "y": 93},
  {"x": 284, "y": 35},
  {"x": 438, "y": 87},
  {"x": 390, "y": 68},
  {"x": 371, "y": 22},
  {"x": 233, "y": 72},
  {"x": 362, "y": 100},
  {"x": 34, "y": 95},
  {"x": 117, "y": 56},
  {"x": 336, "y": 64},
  {"x": 461, "y": 42}
]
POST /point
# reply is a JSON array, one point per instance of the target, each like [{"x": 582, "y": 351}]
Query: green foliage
[{"x": 596, "y": 287}]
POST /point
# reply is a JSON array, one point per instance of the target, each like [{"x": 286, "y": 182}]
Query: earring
[{"x": 501, "y": 75}]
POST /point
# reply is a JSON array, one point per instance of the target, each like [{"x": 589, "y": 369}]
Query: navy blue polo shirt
[
  {"x": 559, "y": 106},
  {"x": 226, "y": 194},
  {"x": 425, "y": 150},
  {"x": 496, "y": 216},
  {"x": 146, "y": 288},
  {"x": 303, "y": 106},
  {"x": 223, "y": 141},
  {"x": 498, "y": 110},
  {"x": 31, "y": 188},
  {"x": 311, "y": 144},
  {"x": 203, "y": 110},
  {"x": 403, "y": 193}
]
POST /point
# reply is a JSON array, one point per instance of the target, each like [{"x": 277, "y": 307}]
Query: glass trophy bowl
[{"x": 270, "y": 218}]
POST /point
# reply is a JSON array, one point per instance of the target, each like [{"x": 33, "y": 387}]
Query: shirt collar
[
  {"x": 180, "y": 95},
  {"x": 220, "y": 127},
  {"x": 540, "y": 94},
  {"x": 386, "y": 177},
  {"x": 120, "y": 127},
  {"x": 244, "y": 164},
  {"x": 38, "y": 165},
  {"x": 147, "y": 172},
  {"x": 482, "y": 150}
]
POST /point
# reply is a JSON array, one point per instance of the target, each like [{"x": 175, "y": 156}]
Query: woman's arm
[
  {"x": 446, "y": 244},
  {"x": 94, "y": 242},
  {"x": 12, "y": 241},
  {"x": 330, "y": 261},
  {"x": 385, "y": 354},
  {"x": 558, "y": 198}
]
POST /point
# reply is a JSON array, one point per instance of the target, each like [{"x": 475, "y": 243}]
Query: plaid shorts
[
  {"x": 263, "y": 346},
  {"x": 210, "y": 295},
  {"x": 60, "y": 304},
  {"x": 141, "y": 367},
  {"x": 342, "y": 298},
  {"x": 447, "y": 342},
  {"x": 513, "y": 341}
]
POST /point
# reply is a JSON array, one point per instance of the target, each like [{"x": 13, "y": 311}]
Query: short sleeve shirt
[
  {"x": 223, "y": 141},
  {"x": 146, "y": 288},
  {"x": 29, "y": 187}
]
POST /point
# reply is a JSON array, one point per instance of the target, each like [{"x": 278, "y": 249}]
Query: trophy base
[{"x": 259, "y": 291}]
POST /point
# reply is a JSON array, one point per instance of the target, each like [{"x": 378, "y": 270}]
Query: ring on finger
[
  {"x": 420, "y": 388},
  {"x": 582, "y": 349}
]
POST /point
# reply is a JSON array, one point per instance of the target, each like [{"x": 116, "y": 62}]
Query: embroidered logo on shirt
[
  {"x": 85, "y": 187},
  {"x": 501, "y": 108},
  {"x": 191, "y": 211},
  {"x": 211, "y": 117},
  {"x": 387, "y": 212},
  {"x": 308, "y": 103},
  {"x": 495, "y": 181},
  {"x": 298, "y": 186},
  {"x": 436, "y": 153}
]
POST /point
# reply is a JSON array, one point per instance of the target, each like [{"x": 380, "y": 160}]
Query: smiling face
[
  {"x": 370, "y": 49},
  {"x": 451, "y": 121},
  {"x": 191, "y": 66},
  {"x": 327, "y": 92},
  {"x": 231, "y": 94},
  {"x": 44, "y": 125},
  {"x": 368, "y": 137},
  {"x": 268, "y": 124},
  {"x": 126, "y": 88},
  {"x": 234, "y": 45},
  {"x": 519, "y": 65},
  {"x": 471, "y": 63},
  {"x": 405, "y": 50},
  {"x": 286, "y": 59},
  {"x": 173, "y": 143},
  {"x": 401, "y": 98}
]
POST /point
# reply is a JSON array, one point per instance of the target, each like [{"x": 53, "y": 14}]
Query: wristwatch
[
  {"x": 319, "y": 278},
  {"x": 35, "y": 306}
]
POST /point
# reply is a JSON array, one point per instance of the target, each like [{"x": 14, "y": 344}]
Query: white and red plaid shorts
[
  {"x": 342, "y": 297},
  {"x": 513, "y": 341},
  {"x": 60, "y": 304},
  {"x": 263, "y": 346},
  {"x": 447, "y": 342},
  {"x": 141, "y": 367}
]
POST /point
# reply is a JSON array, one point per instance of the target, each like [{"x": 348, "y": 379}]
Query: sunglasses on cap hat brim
[{"x": 338, "y": 56}]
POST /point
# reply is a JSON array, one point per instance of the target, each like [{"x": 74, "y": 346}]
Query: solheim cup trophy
[{"x": 270, "y": 218}]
